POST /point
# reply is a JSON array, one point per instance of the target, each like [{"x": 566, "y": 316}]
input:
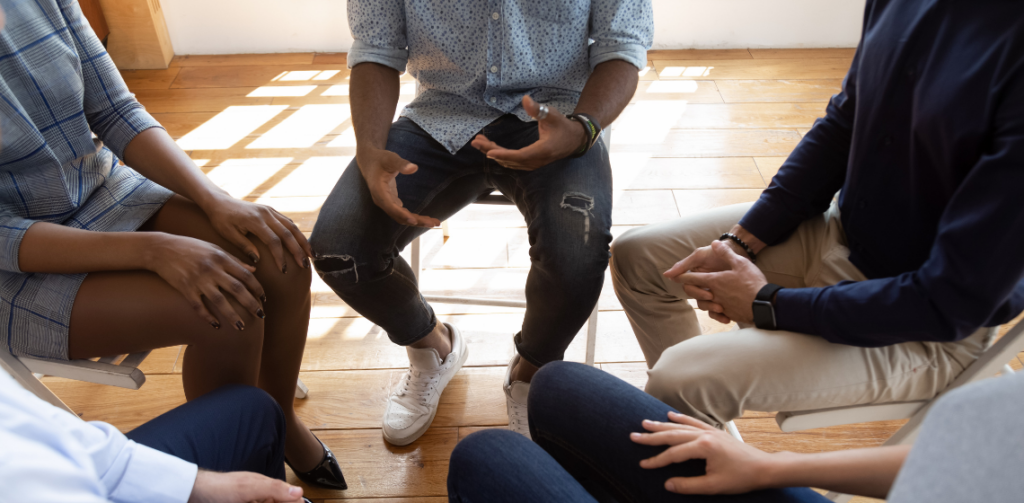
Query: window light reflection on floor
[
  {"x": 280, "y": 91},
  {"x": 647, "y": 122},
  {"x": 229, "y": 127},
  {"x": 240, "y": 177},
  {"x": 672, "y": 86},
  {"x": 686, "y": 71},
  {"x": 314, "y": 177},
  {"x": 304, "y": 127}
]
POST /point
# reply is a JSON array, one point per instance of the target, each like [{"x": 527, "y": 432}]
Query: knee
[
  {"x": 257, "y": 407},
  {"x": 693, "y": 379},
  {"x": 562, "y": 391},
  {"x": 629, "y": 256},
  {"x": 289, "y": 285},
  {"x": 483, "y": 452}
]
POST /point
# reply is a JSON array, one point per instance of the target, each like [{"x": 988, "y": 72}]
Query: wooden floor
[{"x": 705, "y": 128}]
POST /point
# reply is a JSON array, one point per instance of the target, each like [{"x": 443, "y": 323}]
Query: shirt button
[
  {"x": 495, "y": 16},
  {"x": 493, "y": 99},
  {"x": 494, "y": 69}
]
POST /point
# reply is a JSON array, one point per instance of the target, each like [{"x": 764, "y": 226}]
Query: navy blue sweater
[{"x": 926, "y": 141}]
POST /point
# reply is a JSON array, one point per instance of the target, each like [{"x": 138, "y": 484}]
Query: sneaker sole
[{"x": 403, "y": 441}]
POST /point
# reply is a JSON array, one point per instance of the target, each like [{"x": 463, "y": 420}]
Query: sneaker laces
[{"x": 415, "y": 389}]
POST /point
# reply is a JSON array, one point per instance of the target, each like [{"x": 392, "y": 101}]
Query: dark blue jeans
[
  {"x": 580, "y": 419},
  {"x": 234, "y": 428},
  {"x": 567, "y": 206}
]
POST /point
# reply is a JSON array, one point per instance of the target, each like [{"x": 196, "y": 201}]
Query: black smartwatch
[{"x": 764, "y": 310}]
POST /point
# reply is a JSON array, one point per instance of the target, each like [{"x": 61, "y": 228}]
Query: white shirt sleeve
[{"x": 47, "y": 454}]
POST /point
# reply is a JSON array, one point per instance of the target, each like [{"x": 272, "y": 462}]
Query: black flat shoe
[{"x": 326, "y": 474}]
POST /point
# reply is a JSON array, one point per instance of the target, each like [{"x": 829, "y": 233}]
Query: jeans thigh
[{"x": 353, "y": 235}]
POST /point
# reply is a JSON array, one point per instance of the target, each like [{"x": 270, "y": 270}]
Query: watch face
[{"x": 764, "y": 314}]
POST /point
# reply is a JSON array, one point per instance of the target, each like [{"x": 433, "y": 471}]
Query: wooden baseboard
[{"x": 138, "y": 34}]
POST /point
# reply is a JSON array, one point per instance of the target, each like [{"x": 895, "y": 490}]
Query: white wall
[{"x": 263, "y": 26}]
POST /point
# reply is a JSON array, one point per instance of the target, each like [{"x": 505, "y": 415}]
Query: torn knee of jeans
[
  {"x": 582, "y": 204},
  {"x": 336, "y": 265}
]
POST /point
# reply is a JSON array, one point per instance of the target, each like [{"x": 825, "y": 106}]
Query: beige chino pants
[{"x": 716, "y": 377}]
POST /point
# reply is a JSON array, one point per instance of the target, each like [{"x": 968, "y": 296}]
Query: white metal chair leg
[
  {"x": 301, "y": 391},
  {"x": 1008, "y": 370},
  {"x": 731, "y": 429},
  {"x": 444, "y": 229},
  {"x": 838, "y": 497},
  {"x": 592, "y": 337},
  {"x": 415, "y": 255}
]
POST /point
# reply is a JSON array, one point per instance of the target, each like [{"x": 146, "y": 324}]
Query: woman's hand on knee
[
  {"x": 235, "y": 220},
  {"x": 206, "y": 275},
  {"x": 241, "y": 487},
  {"x": 732, "y": 467}
]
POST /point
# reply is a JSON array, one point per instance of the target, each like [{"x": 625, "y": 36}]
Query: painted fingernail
[
  {"x": 215, "y": 325},
  {"x": 305, "y": 262},
  {"x": 284, "y": 268},
  {"x": 263, "y": 298},
  {"x": 239, "y": 325},
  {"x": 669, "y": 485},
  {"x": 255, "y": 258},
  {"x": 259, "y": 312}
]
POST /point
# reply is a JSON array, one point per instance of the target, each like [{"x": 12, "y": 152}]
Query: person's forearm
[
  {"x": 608, "y": 91},
  {"x": 58, "y": 249},
  {"x": 865, "y": 472},
  {"x": 155, "y": 155},
  {"x": 755, "y": 244},
  {"x": 373, "y": 97}
]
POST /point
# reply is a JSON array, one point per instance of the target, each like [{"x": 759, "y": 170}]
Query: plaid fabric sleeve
[
  {"x": 12, "y": 230},
  {"x": 112, "y": 111}
]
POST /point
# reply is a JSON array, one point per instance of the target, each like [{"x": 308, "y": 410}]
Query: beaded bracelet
[
  {"x": 593, "y": 130},
  {"x": 737, "y": 240}
]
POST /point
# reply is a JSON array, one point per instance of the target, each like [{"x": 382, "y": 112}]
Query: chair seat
[{"x": 823, "y": 418}]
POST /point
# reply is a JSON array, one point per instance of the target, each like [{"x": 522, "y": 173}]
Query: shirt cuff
[
  {"x": 794, "y": 310},
  {"x": 12, "y": 231},
  {"x": 634, "y": 54},
  {"x": 155, "y": 477},
  {"x": 362, "y": 52},
  {"x": 769, "y": 220}
]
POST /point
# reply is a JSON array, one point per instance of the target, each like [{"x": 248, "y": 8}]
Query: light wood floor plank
[
  {"x": 768, "y": 166},
  {"x": 692, "y": 202},
  {"x": 727, "y": 143},
  {"x": 149, "y": 79},
  {"x": 845, "y": 53},
  {"x": 124, "y": 408},
  {"x": 814, "y": 90},
  {"x": 374, "y": 468},
  {"x": 288, "y": 58},
  {"x": 689, "y": 173},
  {"x": 158, "y": 101},
  {"x": 330, "y": 58},
  {"x": 746, "y": 69},
  {"x": 192, "y": 77},
  {"x": 181, "y": 123},
  {"x": 750, "y": 116},
  {"x": 689, "y": 91},
  {"x": 662, "y": 54}
]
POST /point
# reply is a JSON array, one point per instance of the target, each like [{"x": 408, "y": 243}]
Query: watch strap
[{"x": 766, "y": 292}]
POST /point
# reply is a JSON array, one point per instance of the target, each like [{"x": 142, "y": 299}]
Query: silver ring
[{"x": 543, "y": 113}]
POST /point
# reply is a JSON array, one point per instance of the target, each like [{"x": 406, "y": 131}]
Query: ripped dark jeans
[{"x": 567, "y": 206}]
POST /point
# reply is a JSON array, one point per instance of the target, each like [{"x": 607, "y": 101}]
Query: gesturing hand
[
  {"x": 241, "y": 487},
  {"x": 235, "y": 220},
  {"x": 380, "y": 168},
  {"x": 559, "y": 138},
  {"x": 733, "y": 467},
  {"x": 723, "y": 283},
  {"x": 201, "y": 270}
]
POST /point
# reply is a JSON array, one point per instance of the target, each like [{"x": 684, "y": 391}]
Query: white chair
[
  {"x": 121, "y": 371},
  {"x": 496, "y": 198},
  {"x": 991, "y": 362}
]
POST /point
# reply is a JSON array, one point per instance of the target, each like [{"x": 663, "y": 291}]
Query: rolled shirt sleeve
[
  {"x": 378, "y": 27},
  {"x": 111, "y": 109},
  {"x": 621, "y": 29},
  {"x": 12, "y": 231}
]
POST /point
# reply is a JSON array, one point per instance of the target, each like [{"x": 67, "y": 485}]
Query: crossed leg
[{"x": 131, "y": 311}]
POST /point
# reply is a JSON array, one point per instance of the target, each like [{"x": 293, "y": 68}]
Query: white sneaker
[
  {"x": 515, "y": 401},
  {"x": 413, "y": 405}
]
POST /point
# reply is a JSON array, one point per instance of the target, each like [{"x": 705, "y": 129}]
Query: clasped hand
[{"x": 722, "y": 282}]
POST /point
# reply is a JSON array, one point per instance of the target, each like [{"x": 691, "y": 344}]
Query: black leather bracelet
[
  {"x": 591, "y": 128},
  {"x": 737, "y": 240}
]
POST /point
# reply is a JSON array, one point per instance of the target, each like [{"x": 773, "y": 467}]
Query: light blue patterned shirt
[{"x": 475, "y": 59}]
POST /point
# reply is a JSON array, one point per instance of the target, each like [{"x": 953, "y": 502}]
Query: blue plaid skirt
[{"x": 36, "y": 308}]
